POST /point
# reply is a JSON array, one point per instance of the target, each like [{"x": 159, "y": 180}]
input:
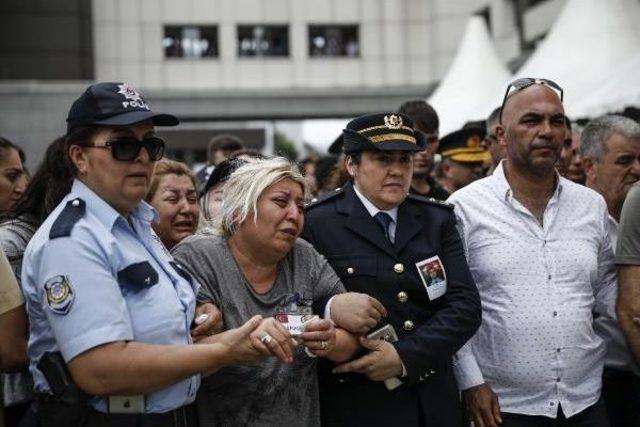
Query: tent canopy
[
  {"x": 320, "y": 133},
  {"x": 589, "y": 41},
  {"x": 620, "y": 90},
  {"x": 472, "y": 81}
]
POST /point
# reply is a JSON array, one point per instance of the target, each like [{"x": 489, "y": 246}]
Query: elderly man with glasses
[{"x": 538, "y": 249}]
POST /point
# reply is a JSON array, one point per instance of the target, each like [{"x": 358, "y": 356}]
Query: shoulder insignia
[
  {"x": 319, "y": 200},
  {"x": 431, "y": 201},
  {"x": 68, "y": 217}
]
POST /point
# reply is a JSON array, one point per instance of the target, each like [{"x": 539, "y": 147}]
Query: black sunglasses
[
  {"x": 127, "y": 148},
  {"x": 524, "y": 83}
]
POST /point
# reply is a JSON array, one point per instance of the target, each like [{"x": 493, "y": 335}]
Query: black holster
[{"x": 67, "y": 405}]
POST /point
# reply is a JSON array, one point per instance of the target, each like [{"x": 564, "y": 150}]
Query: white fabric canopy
[
  {"x": 472, "y": 81},
  {"x": 320, "y": 133},
  {"x": 587, "y": 44},
  {"x": 620, "y": 90}
]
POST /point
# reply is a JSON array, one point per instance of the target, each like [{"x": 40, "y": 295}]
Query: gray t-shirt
[
  {"x": 628, "y": 251},
  {"x": 269, "y": 393}
]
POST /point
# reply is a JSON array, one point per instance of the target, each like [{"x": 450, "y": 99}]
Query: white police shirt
[
  {"x": 103, "y": 281},
  {"x": 538, "y": 284}
]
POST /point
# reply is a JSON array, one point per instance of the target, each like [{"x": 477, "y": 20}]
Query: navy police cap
[
  {"x": 381, "y": 131},
  {"x": 113, "y": 104}
]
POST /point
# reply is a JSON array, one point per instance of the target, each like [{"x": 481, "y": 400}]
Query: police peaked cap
[{"x": 381, "y": 131}]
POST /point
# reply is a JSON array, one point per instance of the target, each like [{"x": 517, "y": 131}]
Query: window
[
  {"x": 190, "y": 41},
  {"x": 263, "y": 40},
  {"x": 334, "y": 40}
]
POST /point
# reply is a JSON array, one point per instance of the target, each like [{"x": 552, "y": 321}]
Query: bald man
[{"x": 538, "y": 250}]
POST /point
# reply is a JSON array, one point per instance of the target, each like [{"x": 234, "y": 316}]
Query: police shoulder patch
[
  {"x": 430, "y": 200},
  {"x": 68, "y": 217},
  {"x": 319, "y": 200},
  {"x": 59, "y": 294}
]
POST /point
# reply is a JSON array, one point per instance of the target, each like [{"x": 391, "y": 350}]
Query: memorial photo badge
[
  {"x": 433, "y": 276},
  {"x": 59, "y": 294}
]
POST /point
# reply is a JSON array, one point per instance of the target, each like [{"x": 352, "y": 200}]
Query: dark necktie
[{"x": 384, "y": 220}]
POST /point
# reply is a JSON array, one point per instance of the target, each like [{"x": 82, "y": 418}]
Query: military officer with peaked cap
[
  {"x": 377, "y": 238},
  {"x": 463, "y": 158}
]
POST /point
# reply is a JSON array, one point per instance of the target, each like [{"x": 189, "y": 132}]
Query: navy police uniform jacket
[{"x": 429, "y": 331}]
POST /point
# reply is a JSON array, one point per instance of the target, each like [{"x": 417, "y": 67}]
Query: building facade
[{"x": 229, "y": 61}]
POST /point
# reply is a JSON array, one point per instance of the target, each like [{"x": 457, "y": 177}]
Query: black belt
[
  {"x": 184, "y": 416},
  {"x": 56, "y": 413}
]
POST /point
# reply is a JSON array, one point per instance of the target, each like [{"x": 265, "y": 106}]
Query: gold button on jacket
[
  {"x": 402, "y": 296},
  {"x": 408, "y": 325}
]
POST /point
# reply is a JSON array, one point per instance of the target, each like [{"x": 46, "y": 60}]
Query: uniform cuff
[
  {"x": 81, "y": 343},
  {"x": 467, "y": 372},
  {"x": 327, "y": 309}
]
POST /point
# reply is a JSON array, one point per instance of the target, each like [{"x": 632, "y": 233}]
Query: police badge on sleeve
[{"x": 59, "y": 294}]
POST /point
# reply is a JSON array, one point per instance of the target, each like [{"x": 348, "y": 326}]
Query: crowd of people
[{"x": 490, "y": 276}]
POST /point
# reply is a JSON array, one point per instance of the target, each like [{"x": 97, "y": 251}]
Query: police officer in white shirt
[{"x": 538, "y": 249}]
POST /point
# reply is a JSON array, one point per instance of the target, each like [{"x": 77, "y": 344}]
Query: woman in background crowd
[
  {"x": 173, "y": 194},
  {"x": 47, "y": 187},
  {"x": 211, "y": 193},
  {"x": 211, "y": 197},
  {"x": 13, "y": 178}
]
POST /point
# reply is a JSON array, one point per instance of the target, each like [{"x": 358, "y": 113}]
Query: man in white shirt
[
  {"x": 610, "y": 153},
  {"x": 538, "y": 249}
]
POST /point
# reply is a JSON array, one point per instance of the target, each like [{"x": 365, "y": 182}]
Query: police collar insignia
[{"x": 60, "y": 295}]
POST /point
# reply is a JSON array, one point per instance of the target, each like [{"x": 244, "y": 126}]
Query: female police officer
[
  {"x": 377, "y": 239},
  {"x": 101, "y": 290}
]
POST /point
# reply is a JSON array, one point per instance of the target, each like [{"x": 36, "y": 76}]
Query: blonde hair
[
  {"x": 168, "y": 167},
  {"x": 245, "y": 187}
]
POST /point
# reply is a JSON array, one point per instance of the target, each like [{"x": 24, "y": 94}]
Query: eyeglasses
[
  {"x": 127, "y": 148},
  {"x": 524, "y": 83}
]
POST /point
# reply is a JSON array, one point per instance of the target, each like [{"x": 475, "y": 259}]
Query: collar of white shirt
[
  {"x": 372, "y": 209},
  {"x": 503, "y": 188}
]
